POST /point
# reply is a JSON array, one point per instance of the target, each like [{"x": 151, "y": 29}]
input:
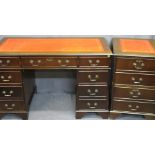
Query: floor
[{"x": 59, "y": 106}]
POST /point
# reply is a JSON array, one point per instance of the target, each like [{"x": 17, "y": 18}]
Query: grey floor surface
[{"x": 59, "y": 106}]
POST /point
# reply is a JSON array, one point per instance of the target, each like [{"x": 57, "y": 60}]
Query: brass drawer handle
[
  {"x": 135, "y": 96},
  {"x": 6, "y": 80},
  {"x": 35, "y": 65},
  {"x": 139, "y": 64},
  {"x": 137, "y": 82},
  {"x": 65, "y": 61},
  {"x": 93, "y": 64},
  {"x": 9, "y": 94},
  {"x": 97, "y": 61},
  {"x": 93, "y": 80},
  {"x": 94, "y": 105},
  {"x": 135, "y": 93},
  {"x": 59, "y": 61},
  {"x": 6, "y": 62},
  {"x": 133, "y": 109},
  {"x": 90, "y": 61},
  {"x": 13, "y": 105},
  {"x": 63, "y": 65},
  {"x": 92, "y": 94},
  {"x": 39, "y": 61},
  {"x": 32, "y": 62},
  {"x": 9, "y": 108}
]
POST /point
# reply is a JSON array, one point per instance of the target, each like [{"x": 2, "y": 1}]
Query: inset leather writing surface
[
  {"x": 135, "y": 47},
  {"x": 142, "y": 46},
  {"x": 53, "y": 46}
]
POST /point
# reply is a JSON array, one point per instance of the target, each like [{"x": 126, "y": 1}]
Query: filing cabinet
[{"x": 133, "y": 87}]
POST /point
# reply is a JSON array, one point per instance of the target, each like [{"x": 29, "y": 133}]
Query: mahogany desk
[{"x": 20, "y": 57}]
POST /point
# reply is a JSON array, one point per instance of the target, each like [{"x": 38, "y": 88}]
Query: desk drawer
[
  {"x": 122, "y": 105},
  {"x": 9, "y": 62},
  {"x": 93, "y": 76},
  {"x": 95, "y": 62},
  {"x": 92, "y": 91},
  {"x": 134, "y": 93},
  {"x": 11, "y": 93},
  {"x": 48, "y": 62},
  {"x": 135, "y": 79},
  {"x": 135, "y": 64},
  {"x": 11, "y": 106},
  {"x": 10, "y": 77},
  {"x": 92, "y": 104}
]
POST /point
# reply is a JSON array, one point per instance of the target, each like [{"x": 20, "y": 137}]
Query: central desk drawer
[
  {"x": 122, "y": 105},
  {"x": 10, "y": 77},
  {"x": 134, "y": 93},
  {"x": 92, "y": 104},
  {"x": 93, "y": 76},
  {"x": 11, "y": 93},
  {"x": 95, "y": 62},
  {"x": 48, "y": 62},
  {"x": 92, "y": 91},
  {"x": 135, "y": 79},
  {"x": 12, "y": 106},
  {"x": 135, "y": 64},
  {"x": 9, "y": 62}
]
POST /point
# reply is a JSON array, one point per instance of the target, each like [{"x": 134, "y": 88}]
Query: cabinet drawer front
[
  {"x": 45, "y": 62},
  {"x": 134, "y": 93},
  {"x": 10, "y": 77},
  {"x": 133, "y": 106},
  {"x": 92, "y": 91},
  {"x": 95, "y": 62},
  {"x": 135, "y": 79},
  {"x": 93, "y": 76},
  {"x": 8, "y": 106},
  {"x": 92, "y": 104},
  {"x": 137, "y": 64},
  {"x": 11, "y": 93},
  {"x": 9, "y": 62}
]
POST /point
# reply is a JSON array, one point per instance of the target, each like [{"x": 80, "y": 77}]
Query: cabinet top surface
[
  {"x": 134, "y": 47},
  {"x": 54, "y": 46}
]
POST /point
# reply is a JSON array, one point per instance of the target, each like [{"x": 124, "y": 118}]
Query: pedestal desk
[
  {"x": 133, "y": 88},
  {"x": 20, "y": 57}
]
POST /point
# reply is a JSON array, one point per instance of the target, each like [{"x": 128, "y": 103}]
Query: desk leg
[
  {"x": 24, "y": 116},
  {"x": 149, "y": 117},
  {"x": 79, "y": 115},
  {"x": 104, "y": 115},
  {"x": 114, "y": 115}
]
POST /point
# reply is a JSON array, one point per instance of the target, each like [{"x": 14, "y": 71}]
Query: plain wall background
[
  {"x": 56, "y": 81},
  {"x": 107, "y": 37}
]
